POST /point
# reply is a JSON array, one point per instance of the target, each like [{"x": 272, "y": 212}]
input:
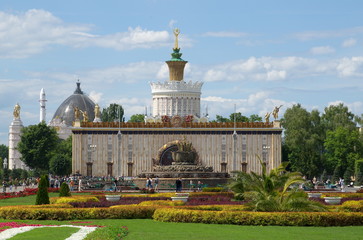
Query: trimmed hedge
[
  {"x": 127, "y": 212},
  {"x": 259, "y": 218},
  {"x": 74, "y": 199},
  {"x": 351, "y": 206},
  {"x": 162, "y": 203}
]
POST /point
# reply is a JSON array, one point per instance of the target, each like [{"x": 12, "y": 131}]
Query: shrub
[
  {"x": 64, "y": 190},
  {"x": 75, "y": 199},
  {"x": 352, "y": 206},
  {"x": 213, "y": 189},
  {"x": 259, "y": 218},
  {"x": 121, "y": 212},
  {"x": 162, "y": 203},
  {"x": 42, "y": 195}
]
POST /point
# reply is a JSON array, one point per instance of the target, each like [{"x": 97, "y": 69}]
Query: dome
[{"x": 66, "y": 110}]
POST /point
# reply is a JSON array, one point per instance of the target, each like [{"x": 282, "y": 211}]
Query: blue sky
[{"x": 255, "y": 54}]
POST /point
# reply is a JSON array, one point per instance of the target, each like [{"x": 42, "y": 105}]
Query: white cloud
[
  {"x": 226, "y": 34},
  {"x": 322, "y": 50},
  {"x": 349, "y": 42},
  {"x": 350, "y": 67},
  {"x": 34, "y": 31},
  {"x": 95, "y": 96},
  {"x": 311, "y": 35}
]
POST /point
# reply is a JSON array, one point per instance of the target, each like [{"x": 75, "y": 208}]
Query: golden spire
[{"x": 176, "y": 33}]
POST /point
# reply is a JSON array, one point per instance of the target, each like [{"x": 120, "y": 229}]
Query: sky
[{"x": 250, "y": 54}]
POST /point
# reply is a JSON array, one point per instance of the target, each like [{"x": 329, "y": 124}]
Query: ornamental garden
[{"x": 276, "y": 199}]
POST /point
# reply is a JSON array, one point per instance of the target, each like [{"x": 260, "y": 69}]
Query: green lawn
[
  {"x": 28, "y": 200},
  {"x": 46, "y": 233},
  {"x": 145, "y": 229}
]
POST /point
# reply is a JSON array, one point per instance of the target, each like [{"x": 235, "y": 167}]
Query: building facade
[{"x": 131, "y": 149}]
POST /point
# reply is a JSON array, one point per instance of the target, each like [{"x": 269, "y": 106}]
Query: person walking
[
  {"x": 178, "y": 185},
  {"x": 156, "y": 184}
]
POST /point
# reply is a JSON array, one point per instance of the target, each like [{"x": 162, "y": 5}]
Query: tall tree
[
  {"x": 37, "y": 144},
  {"x": 113, "y": 113},
  {"x": 336, "y": 116},
  {"x": 302, "y": 141},
  {"x": 137, "y": 118},
  {"x": 255, "y": 118},
  {"x": 343, "y": 147},
  {"x": 4, "y": 151},
  {"x": 61, "y": 162},
  {"x": 238, "y": 117}
]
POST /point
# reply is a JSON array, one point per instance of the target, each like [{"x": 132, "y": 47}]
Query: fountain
[{"x": 185, "y": 164}]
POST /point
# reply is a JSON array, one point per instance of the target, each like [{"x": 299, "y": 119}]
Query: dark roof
[{"x": 78, "y": 99}]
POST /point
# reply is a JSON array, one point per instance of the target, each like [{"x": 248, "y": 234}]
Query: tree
[
  {"x": 37, "y": 145},
  {"x": 238, "y": 117},
  {"x": 303, "y": 142},
  {"x": 275, "y": 191},
  {"x": 113, "y": 113},
  {"x": 221, "y": 119},
  {"x": 342, "y": 148},
  {"x": 4, "y": 152},
  {"x": 137, "y": 118},
  {"x": 64, "y": 190},
  {"x": 338, "y": 116},
  {"x": 61, "y": 161},
  {"x": 42, "y": 194},
  {"x": 255, "y": 118}
]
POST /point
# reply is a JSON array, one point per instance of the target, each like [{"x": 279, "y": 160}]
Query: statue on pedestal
[{"x": 16, "y": 112}]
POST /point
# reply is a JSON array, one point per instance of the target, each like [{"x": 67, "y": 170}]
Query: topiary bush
[
  {"x": 64, "y": 190},
  {"x": 42, "y": 195}
]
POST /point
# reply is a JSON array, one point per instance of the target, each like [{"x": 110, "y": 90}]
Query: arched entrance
[{"x": 164, "y": 156}]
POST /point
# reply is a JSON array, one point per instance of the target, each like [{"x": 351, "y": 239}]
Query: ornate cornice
[{"x": 176, "y": 86}]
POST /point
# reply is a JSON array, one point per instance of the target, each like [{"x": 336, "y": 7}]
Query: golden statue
[
  {"x": 76, "y": 113},
  {"x": 275, "y": 112},
  {"x": 97, "y": 111},
  {"x": 176, "y": 33},
  {"x": 85, "y": 116},
  {"x": 16, "y": 111},
  {"x": 267, "y": 117}
]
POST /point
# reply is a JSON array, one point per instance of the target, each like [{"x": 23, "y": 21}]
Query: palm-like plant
[{"x": 275, "y": 191}]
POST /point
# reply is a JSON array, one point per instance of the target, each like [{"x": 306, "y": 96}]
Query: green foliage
[
  {"x": 274, "y": 191},
  {"x": 61, "y": 165},
  {"x": 336, "y": 174},
  {"x": 304, "y": 138},
  {"x": 239, "y": 118},
  {"x": 342, "y": 148},
  {"x": 4, "y": 153},
  {"x": 113, "y": 113},
  {"x": 61, "y": 161},
  {"x": 259, "y": 218},
  {"x": 336, "y": 116},
  {"x": 120, "y": 212},
  {"x": 137, "y": 118},
  {"x": 37, "y": 145},
  {"x": 213, "y": 189},
  {"x": 352, "y": 206},
  {"x": 64, "y": 190},
  {"x": 16, "y": 173},
  {"x": 42, "y": 194},
  {"x": 358, "y": 171}
]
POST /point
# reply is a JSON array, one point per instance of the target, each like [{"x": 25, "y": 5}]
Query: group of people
[{"x": 152, "y": 184}]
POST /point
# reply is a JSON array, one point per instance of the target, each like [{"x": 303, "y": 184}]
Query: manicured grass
[
  {"x": 146, "y": 229},
  {"x": 59, "y": 233},
  {"x": 28, "y": 200}
]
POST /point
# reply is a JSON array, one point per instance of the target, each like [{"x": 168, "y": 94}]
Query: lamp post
[{"x": 5, "y": 166}]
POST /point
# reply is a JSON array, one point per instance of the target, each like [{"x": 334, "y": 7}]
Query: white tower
[
  {"x": 42, "y": 101},
  {"x": 14, "y": 139},
  {"x": 176, "y": 97}
]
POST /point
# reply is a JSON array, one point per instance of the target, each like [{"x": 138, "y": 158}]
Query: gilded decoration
[
  {"x": 16, "y": 112},
  {"x": 176, "y": 121}
]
